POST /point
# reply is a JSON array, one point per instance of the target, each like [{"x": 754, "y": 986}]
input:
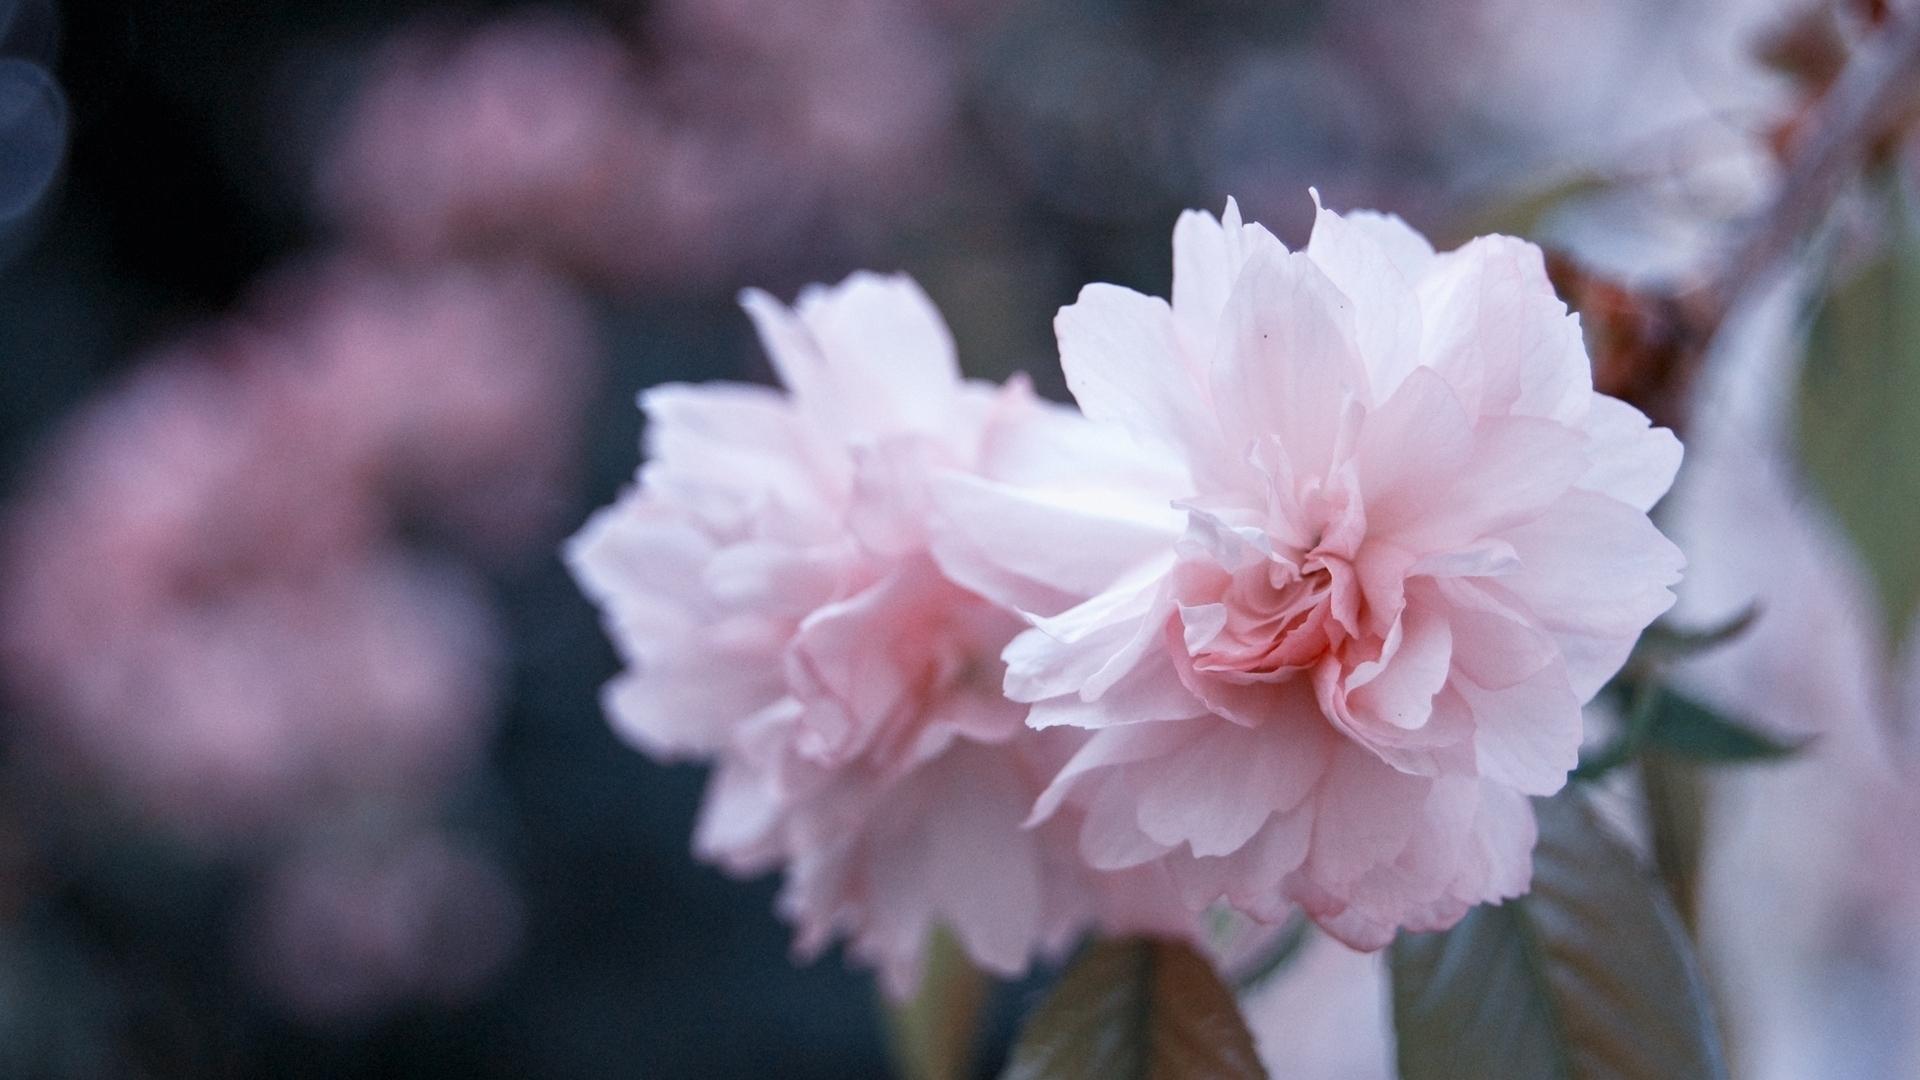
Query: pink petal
[
  {"x": 1364, "y": 814},
  {"x": 1006, "y": 543},
  {"x": 1632, "y": 460},
  {"x": 1218, "y": 789},
  {"x": 868, "y": 355},
  {"x": 1385, "y": 309},
  {"x": 1596, "y": 569},
  {"x": 1397, "y": 690},
  {"x": 1526, "y": 736},
  {"x": 1497, "y": 331},
  {"x": 1208, "y": 256},
  {"x": 1286, "y": 362},
  {"x": 1125, "y": 366}
]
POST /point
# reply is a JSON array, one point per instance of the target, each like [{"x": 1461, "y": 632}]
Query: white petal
[
  {"x": 1286, "y": 365},
  {"x": 1633, "y": 461},
  {"x": 870, "y": 354},
  {"x": 1030, "y": 548},
  {"x": 1125, "y": 366},
  {"x": 1385, "y": 307}
]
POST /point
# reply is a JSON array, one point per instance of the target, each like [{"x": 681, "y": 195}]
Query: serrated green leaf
[
  {"x": 1136, "y": 1010},
  {"x": 1588, "y": 977},
  {"x": 934, "y": 1034},
  {"x": 1859, "y": 417}
]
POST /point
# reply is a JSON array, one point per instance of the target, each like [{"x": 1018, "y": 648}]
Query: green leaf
[
  {"x": 1859, "y": 417},
  {"x": 1686, "y": 728},
  {"x": 1664, "y": 641},
  {"x": 1677, "y": 824},
  {"x": 1136, "y": 1010},
  {"x": 1589, "y": 976},
  {"x": 1655, "y": 717},
  {"x": 1636, "y": 701},
  {"x": 933, "y": 1035}
]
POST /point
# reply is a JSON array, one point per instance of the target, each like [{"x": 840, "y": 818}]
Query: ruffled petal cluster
[
  {"x": 1408, "y": 542},
  {"x": 774, "y": 584},
  {"x": 1300, "y": 613}
]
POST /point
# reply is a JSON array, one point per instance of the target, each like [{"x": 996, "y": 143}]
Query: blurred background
[{"x": 321, "y": 325}]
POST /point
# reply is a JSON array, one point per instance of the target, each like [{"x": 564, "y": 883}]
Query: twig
[
  {"x": 1873, "y": 94},
  {"x": 1654, "y": 344}
]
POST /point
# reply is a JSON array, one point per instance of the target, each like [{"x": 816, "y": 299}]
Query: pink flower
[
  {"x": 1409, "y": 541},
  {"x": 527, "y": 134},
  {"x": 199, "y": 614},
  {"x": 342, "y": 932},
  {"x": 772, "y": 584},
  {"x": 547, "y": 136},
  {"x": 458, "y": 392}
]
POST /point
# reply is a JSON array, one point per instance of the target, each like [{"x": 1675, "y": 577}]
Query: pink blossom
[
  {"x": 532, "y": 134},
  {"x": 547, "y": 136},
  {"x": 771, "y": 583},
  {"x": 204, "y": 609},
  {"x": 457, "y": 392},
  {"x": 339, "y": 932},
  {"x": 198, "y": 614},
  {"x": 1408, "y": 541}
]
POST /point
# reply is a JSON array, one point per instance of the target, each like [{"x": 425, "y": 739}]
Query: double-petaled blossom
[
  {"x": 772, "y": 583},
  {"x": 1406, "y": 542}
]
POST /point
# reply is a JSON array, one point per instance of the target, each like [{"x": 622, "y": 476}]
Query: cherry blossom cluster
[{"x": 1294, "y": 613}]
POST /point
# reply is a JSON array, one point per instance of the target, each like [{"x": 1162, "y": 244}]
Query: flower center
[{"x": 1263, "y": 622}]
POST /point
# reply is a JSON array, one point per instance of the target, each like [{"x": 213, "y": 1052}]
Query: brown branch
[
  {"x": 1651, "y": 346},
  {"x": 1875, "y": 93}
]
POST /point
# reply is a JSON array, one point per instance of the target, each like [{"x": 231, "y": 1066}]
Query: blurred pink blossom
[
  {"x": 340, "y": 932},
  {"x": 459, "y": 390},
  {"x": 197, "y": 615},
  {"x": 1406, "y": 542},
  {"x": 203, "y": 602},
  {"x": 528, "y": 135},
  {"x": 752, "y": 125},
  {"x": 856, "y": 93},
  {"x": 774, "y": 583}
]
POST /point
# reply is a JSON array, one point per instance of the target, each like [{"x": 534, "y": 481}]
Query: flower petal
[
  {"x": 1385, "y": 308},
  {"x": 1286, "y": 363}
]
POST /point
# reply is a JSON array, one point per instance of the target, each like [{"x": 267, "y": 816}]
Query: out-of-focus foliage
[
  {"x": 935, "y": 1034},
  {"x": 1140, "y": 1010},
  {"x": 1860, "y": 414},
  {"x": 1588, "y": 977}
]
